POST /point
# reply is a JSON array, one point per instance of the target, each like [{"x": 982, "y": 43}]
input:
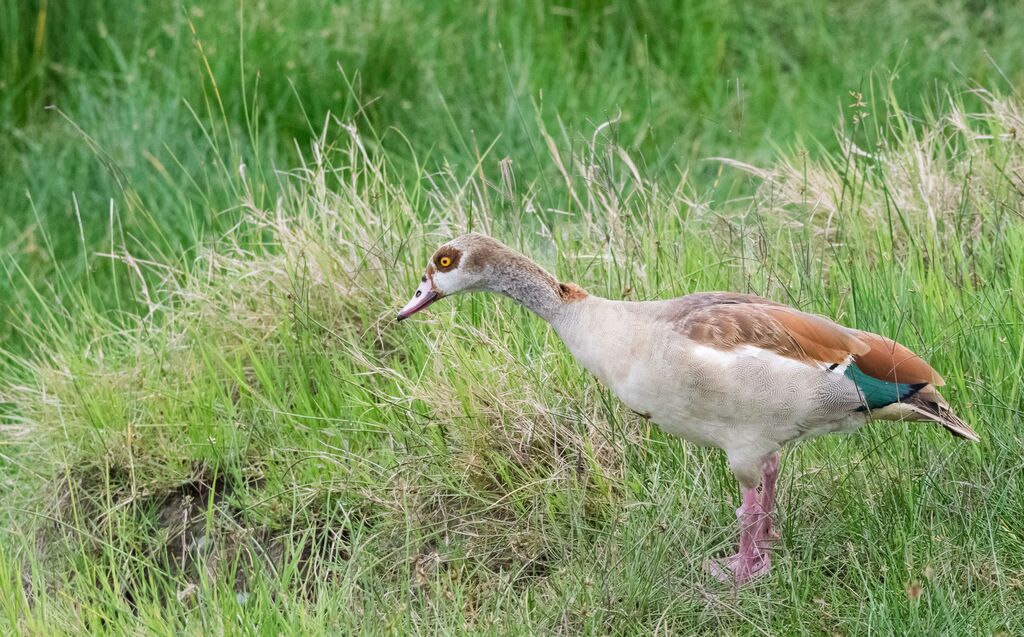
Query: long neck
[{"x": 523, "y": 280}]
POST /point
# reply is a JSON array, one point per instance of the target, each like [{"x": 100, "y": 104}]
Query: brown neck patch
[{"x": 570, "y": 292}]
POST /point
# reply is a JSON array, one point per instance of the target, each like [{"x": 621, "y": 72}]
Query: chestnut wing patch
[
  {"x": 725, "y": 322},
  {"x": 817, "y": 338},
  {"x": 889, "y": 361}
]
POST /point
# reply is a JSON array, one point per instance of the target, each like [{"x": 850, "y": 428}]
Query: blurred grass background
[
  {"x": 116, "y": 118},
  {"x": 208, "y": 212}
]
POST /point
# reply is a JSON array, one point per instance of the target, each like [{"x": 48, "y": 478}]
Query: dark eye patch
[{"x": 447, "y": 259}]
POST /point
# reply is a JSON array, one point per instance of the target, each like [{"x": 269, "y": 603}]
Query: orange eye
[{"x": 444, "y": 262}]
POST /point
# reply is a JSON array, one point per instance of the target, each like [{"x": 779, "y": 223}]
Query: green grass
[
  {"x": 213, "y": 424},
  {"x": 144, "y": 111}
]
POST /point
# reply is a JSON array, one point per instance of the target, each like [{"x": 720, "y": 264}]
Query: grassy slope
[{"x": 267, "y": 452}]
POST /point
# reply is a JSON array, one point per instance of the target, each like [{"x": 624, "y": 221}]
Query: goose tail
[{"x": 930, "y": 406}]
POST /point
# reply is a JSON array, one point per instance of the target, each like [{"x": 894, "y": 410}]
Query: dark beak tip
[{"x": 401, "y": 318}]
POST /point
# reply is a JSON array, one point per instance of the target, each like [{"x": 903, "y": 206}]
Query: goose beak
[{"x": 425, "y": 295}]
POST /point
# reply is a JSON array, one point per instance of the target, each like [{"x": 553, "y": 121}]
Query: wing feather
[
  {"x": 820, "y": 339},
  {"x": 727, "y": 321},
  {"x": 889, "y": 361}
]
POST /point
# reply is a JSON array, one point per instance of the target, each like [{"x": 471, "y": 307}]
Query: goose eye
[{"x": 444, "y": 262}]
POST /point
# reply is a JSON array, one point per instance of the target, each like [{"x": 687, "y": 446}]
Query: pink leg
[
  {"x": 770, "y": 474},
  {"x": 756, "y": 533},
  {"x": 753, "y": 557}
]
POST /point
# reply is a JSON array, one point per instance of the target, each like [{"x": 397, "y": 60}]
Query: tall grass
[
  {"x": 212, "y": 424},
  {"x": 137, "y": 111}
]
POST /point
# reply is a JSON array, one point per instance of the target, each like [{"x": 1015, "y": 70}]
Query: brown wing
[
  {"x": 889, "y": 361},
  {"x": 727, "y": 321},
  {"x": 819, "y": 338}
]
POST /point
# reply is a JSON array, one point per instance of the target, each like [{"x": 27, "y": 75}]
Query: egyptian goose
[{"x": 734, "y": 371}]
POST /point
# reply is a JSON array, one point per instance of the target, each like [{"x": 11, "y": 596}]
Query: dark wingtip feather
[{"x": 944, "y": 416}]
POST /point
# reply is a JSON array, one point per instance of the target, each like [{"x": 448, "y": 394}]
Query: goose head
[
  {"x": 454, "y": 267},
  {"x": 475, "y": 262}
]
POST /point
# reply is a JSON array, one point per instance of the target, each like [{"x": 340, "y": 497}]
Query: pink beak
[{"x": 425, "y": 295}]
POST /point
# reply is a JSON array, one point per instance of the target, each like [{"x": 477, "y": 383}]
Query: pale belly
[
  {"x": 724, "y": 421},
  {"x": 740, "y": 399}
]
